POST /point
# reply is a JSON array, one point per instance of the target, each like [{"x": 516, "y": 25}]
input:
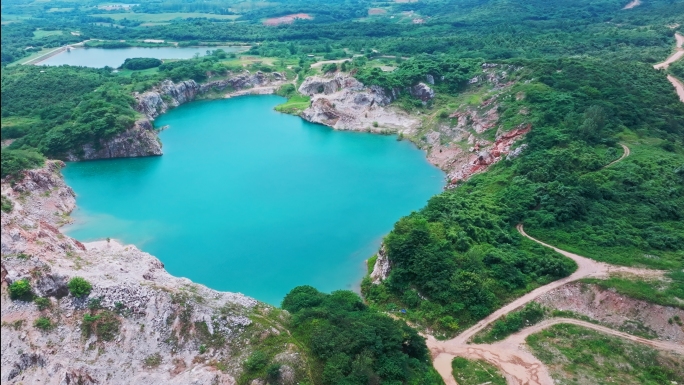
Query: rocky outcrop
[
  {"x": 139, "y": 140},
  {"x": 162, "y": 329},
  {"x": 169, "y": 94},
  {"x": 344, "y": 103},
  {"x": 423, "y": 92},
  {"x": 381, "y": 269}
]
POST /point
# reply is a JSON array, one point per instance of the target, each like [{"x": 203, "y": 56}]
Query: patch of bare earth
[
  {"x": 287, "y": 19},
  {"x": 377, "y": 11},
  {"x": 617, "y": 311},
  {"x": 632, "y": 4}
]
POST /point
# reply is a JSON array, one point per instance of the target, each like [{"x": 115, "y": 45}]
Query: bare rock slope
[{"x": 138, "y": 324}]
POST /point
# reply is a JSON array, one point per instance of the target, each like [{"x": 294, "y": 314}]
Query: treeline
[
  {"x": 353, "y": 344},
  {"x": 459, "y": 259}
]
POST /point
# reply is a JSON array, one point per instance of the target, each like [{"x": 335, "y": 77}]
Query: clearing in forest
[{"x": 287, "y": 19}]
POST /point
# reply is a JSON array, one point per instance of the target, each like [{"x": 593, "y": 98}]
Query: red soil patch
[
  {"x": 287, "y": 19},
  {"x": 376, "y": 11}
]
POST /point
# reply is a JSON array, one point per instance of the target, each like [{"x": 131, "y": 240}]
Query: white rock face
[
  {"x": 343, "y": 103},
  {"x": 155, "y": 314}
]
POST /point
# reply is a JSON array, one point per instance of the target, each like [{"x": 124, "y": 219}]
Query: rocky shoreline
[{"x": 160, "y": 329}]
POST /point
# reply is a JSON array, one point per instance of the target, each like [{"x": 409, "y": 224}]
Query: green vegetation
[
  {"x": 462, "y": 245},
  {"x": 105, "y": 325},
  {"x": 79, "y": 287},
  {"x": 20, "y": 289},
  {"x": 476, "y": 372},
  {"x": 7, "y": 205},
  {"x": 42, "y": 303},
  {"x": 43, "y": 323},
  {"x": 294, "y": 105},
  {"x": 141, "y": 63},
  {"x": 575, "y": 355},
  {"x": 513, "y": 322},
  {"x": 352, "y": 344},
  {"x": 14, "y": 161},
  {"x": 152, "y": 361},
  {"x": 666, "y": 293}
]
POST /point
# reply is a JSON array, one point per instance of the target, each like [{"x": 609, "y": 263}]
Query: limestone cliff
[
  {"x": 141, "y": 139},
  {"x": 344, "y": 103},
  {"x": 138, "y": 324}
]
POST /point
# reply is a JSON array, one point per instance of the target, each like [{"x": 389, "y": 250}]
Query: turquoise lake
[
  {"x": 249, "y": 200},
  {"x": 101, "y": 57}
]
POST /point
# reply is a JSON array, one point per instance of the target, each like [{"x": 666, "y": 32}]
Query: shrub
[
  {"x": 7, "y": 205},
  {"x": 257, "y": 361},
  {"x": 43, "y": 323},
  {"x": 20, "y": 289},
  {"x": 42, "y": 303},
  {"x": 15, "y": 161},
  {"x": 79, "y": 287},
  {"x": 153, "y": 360},
  {"x": 105, "y": 325}
]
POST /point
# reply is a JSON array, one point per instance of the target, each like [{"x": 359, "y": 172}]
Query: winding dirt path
[
  {"x": 519, "y": 366},
  {"x": 678, "y": 86},
  {"x": 679, "y": 52},
  {"x": 518, "y": 338},
  {"x": 624, "y": 155}
]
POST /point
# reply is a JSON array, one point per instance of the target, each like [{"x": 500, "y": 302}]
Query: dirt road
[
  {"x": 679, "y": 52},
  {"x": 520, "y": 367},
  {"x": 678, "y": 85},
  {"x": 519, "y": 338},
  {"x": 624, "y": 155}
]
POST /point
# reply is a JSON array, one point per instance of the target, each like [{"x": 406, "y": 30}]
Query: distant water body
[
  {"x": 249, "y": 200},
  {"x": 101, "y": 57}
]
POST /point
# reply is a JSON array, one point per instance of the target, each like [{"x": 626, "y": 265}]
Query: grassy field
[
  {"x": 294, "y": 105},
  {"x": 579, "y": 356},
  {"x": 469, "y": 372},
  {"x": 161, "y": 17},
  {"x": 667, "y": 293},
  {"x": 40, "y": 33},
  {"x": 32, "y": 56}
]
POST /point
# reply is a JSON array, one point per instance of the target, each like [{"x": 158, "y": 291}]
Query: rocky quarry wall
[
  {"x": 157, "y": 323},
  {"x": 142, "y": 140}
]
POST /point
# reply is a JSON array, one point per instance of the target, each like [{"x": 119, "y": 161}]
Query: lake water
[
  {"x": 100, "y": 57},
  {"x": 249, "y": 200}
]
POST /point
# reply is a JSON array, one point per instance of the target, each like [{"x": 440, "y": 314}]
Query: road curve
[
  {"x": 519, "y": 338},
  {"x": 624, "y": 155}
]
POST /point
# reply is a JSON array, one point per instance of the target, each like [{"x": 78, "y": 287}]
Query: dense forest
[{"x": 353, "y": 344}]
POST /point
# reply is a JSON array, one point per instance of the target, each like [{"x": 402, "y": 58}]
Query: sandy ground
[
  {"x": 675, "y": 56},
  {"x": 632, "y": 4},
  {"x": 678, "y": 85}
]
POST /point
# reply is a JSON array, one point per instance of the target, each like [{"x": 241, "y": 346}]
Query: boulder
[
  {"x": 422, "y": 91},
  {"x": 51, "y": 285}
]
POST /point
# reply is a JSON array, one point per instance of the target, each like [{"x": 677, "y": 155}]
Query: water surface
[
  {"x": 249, "y": 200},
  {"x": 101, "y": 57}
]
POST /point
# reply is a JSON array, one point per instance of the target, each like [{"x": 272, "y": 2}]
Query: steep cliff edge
[
  {"x": 138, "y": 324},
  {"x": 141, "y": 139}
]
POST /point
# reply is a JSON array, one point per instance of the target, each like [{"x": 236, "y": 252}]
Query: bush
[
  {"x": 152, "y": 361},
  {"x": 20, "y": 289},
  {"x": 257, "y": 361},
  {"x": 330, "y": 67},
  {"x": 15, "y": 161},
  {"x": 7, "y": 205},
  {"x": 105, "y": 325},
  {"x": 43, "y": 323},
  {"x": 79, "y": 287},
  {"x": 42, "y": 303}
]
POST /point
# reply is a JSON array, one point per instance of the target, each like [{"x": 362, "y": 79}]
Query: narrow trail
[
  {"x": 678, "y": 86},
  {"x": 624, "y": 155},
  {"x": 518, "y": 338},
  {"x": 679, "y": 53}
]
